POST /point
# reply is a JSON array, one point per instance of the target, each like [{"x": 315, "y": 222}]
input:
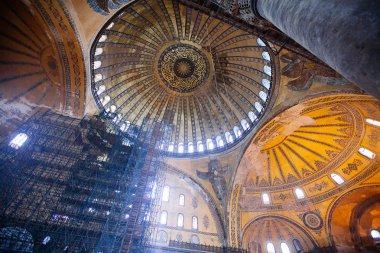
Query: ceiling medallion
[{"x": 183, "y": 67}]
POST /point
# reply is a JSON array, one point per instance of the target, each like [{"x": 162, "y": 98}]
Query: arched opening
[
  {"x": 181, "y": 200},
  {"x": 268, "y": 70},
  {"x": 300, "y": 194},
  {"x": 260, "y": 42},
  {"x": 262, "y": 232},
  {"x": 219, "y": 142},
  {"x": 164, "y": 218},
  {"x": 190, "y": 147},
  {"x": 229, "y": 137},
  {"x": 180, "y": 148},
  {"x": 180, "y": 220},
  {"x": 353, "y": 217},
  {"x": 266, "y": 56},
  {"x": 266, "y": 83},
  {"x": 237, "y": 132},
  {"x": 194, "y": 223},
  {"x": 265, "y": 198},
  {"x": 270, "y": 248},
  {"x": 252, "y": 116},
  {"x": 103, "y": 38},
  {"x": 210, "y": 144},
  {"x": 244, "y": 124},
  {"x": 97, "y": 64},
  {"x": 200, "y": 146},
  {"x": 337, "y": 178},
  {"x": 166, "y": 193},
  {"x": 98, "y": 51},
  {"x": 284, "y": 248},
  {"x": 258, "y": 107},
  {"x": 98, "y": 77}
]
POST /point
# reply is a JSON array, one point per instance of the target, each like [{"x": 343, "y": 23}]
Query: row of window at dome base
[
  {"x": 219, "y": 142},
  {"x": 284, "y": 247},
  {"x": 180, "y": 220},
  {"x": 338, "y": 179}
]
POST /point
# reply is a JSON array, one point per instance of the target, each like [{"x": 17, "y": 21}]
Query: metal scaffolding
[{"x": 79, "y": 185}]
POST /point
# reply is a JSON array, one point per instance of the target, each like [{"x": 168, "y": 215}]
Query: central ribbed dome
[{"x": 208, "y": 80}]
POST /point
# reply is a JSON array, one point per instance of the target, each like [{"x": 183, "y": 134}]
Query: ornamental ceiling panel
[
  {"x": 209, "y": 81},
  {"x": 41, "y": 62},
  {"x": 305, "y": 145}
]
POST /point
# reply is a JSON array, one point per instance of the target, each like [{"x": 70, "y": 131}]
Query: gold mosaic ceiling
[
  {"x": 304, "y": 145},
  {"x": 208, "y": 80}
]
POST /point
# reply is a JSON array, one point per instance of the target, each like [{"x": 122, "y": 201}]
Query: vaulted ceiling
[{"x": 206, "y": 79}]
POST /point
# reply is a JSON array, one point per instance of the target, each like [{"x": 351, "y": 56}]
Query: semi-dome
[{"x": 208, "y": 80}]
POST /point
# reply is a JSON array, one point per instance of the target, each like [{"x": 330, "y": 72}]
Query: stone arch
[
  {"x": 345, "y": 225},
  {"x": 275, "y": 227}
]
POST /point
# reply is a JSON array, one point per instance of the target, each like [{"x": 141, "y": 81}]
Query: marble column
[{"x": 345, "y": 34}]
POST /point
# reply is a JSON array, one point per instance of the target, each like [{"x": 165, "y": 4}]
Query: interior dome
[{"x": 207, "y": 79}]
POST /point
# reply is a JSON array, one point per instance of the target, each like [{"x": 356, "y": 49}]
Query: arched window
[
  {"x": 105, "y": 100},
  {"x": 18, "y": 140},
  {"x": 263, "y": 95},
  {"x": 337, "y": 178},
  {"x": 180, "y": 147},
  {"x": 103, "y": 38},
  {"x": 154, "y": 190},
  {"x": 194, "y": 223},
  {"x": 260, "y": 42},
  {"x": 367, "y": 153},
  {"x": 210, "y": 144},
  {"x": 166, "y": 193},
  {"x": 171, "y": 147},
  {"x": 258, "y": 106},
  {"x": 375, "y": 234},
  {"x": 110, "y": 25},
  {"x": 164, "y": 218},
  {"x": 200, "y": 146},
  {"x": 229, "y": 137},
  {"x": 97, "y": 64},
  {"x": 373, "y": 122},
  {"x": 98, "y": 77},
  {"x": 237, "y": 131},
  {"x": 244, "y": 124},
  {"x": 162, "y": 236},
  {"x": 297, "y": 245},
  {"x": 219, "y": 141},
  {"x": 180, "y": 220},
  {"x": 252, "y": 116},
  {"x": 270, "y": 248},
  {"x": 98, "y": 51},
  {"x": 181, "y": 200},
  {"x": 299, "y": 193},
  {"x": 113, "y": 108},
  {"x": 101, "y": 89},
  {"x": 268, "y": 70},
  {"x": 124, "y": 126},
  {"x": 194, "y": 239},
  {"x": 190, "y": 147},
  {"x": 266, "y": 199},
  {"x": 266, "y": 83},
  {"x": 284, "y": 248},
  {"x": 117, "y": 118},
  {"x": 266, "y": 56}
]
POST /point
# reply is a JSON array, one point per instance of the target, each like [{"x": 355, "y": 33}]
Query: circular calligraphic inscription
[{"x": 183, "y": 67}]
